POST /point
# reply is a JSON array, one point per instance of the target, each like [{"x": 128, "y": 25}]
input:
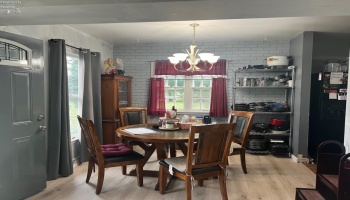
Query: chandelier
[{"x": 197, "y": 61}]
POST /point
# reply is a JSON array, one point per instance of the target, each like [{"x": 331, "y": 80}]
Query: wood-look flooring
[{"x": 268, "y": 178}]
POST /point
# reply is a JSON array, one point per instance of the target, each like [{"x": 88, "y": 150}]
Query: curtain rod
[{"x": 81, "y": 49}]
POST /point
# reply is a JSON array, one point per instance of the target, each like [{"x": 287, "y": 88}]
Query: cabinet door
[
  {"x": 109, "y": 134},
  {"x": 123, "y": 93}
]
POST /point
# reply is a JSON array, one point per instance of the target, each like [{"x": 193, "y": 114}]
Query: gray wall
[
  {"x": 70, "y": 35},
  {"x": 301, "y": 51},
  {"x": 328, "y": 47},
  {"x": 137, "y": 60}
]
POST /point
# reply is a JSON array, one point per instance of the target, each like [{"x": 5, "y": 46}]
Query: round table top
[{"x": 166, "y": 136}]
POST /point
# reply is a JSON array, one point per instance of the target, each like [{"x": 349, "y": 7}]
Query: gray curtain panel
[
  {"x": 96, "y": 92},
  {"x": 59, "y": 161},
  {"x": 91, "y": 106}
]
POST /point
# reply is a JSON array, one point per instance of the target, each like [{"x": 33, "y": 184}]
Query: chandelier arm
[
  {"x": 193, "y": 56},
  {"x": 198, "y": 50},
  {"x": 195, "y": 68},
  {"x": 211, "y": 65},
  {"x": 181, "y": 67}
]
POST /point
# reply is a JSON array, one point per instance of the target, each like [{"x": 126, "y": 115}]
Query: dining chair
[
  {"x": 109, "y": 155},
  {"x": 209, "y": 159},
  {"x": 244, "y": 122},
  {"x": 133, "y": 115}
]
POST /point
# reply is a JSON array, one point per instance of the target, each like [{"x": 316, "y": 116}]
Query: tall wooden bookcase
[{"x": 115, "y": 93}]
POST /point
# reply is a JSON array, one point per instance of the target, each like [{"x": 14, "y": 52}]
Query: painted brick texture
[{"x": 137, "y": 63}]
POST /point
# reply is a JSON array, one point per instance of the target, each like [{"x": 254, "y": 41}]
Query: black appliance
[
  {"x": 206, "y": 119},
  {"x": 327, "y": 111}
]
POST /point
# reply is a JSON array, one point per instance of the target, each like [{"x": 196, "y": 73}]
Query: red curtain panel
[
  {"x": 164, "y": 67},
  {"x": 156, "y": 99},
  {"x": 218, "y": 104}
]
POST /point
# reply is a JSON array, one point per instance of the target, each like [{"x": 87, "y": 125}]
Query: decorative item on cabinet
[
  {"x": 115, "y": 93},
  {"x": 114, "y": 66}
]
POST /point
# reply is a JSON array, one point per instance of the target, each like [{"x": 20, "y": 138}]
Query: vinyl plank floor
[{"x": 268, "y": 178}]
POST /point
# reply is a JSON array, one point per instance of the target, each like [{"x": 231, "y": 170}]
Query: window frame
[
  {"x": 188, "y": 92},
  {"x": 72, "y": 53},
  {"x": 27, "y": 63}
]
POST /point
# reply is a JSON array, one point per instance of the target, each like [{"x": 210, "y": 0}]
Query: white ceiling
[{"x": 147, "y": 21}]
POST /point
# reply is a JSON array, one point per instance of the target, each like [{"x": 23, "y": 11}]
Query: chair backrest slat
[
  {"x": 244, "y": 121},
  {"x": 90, "y": 136},
  {"x": 213, "y": 145},
  {"x": 133, "y": 115}
]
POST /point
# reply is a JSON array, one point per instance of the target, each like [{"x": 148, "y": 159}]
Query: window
[
  {"x": 188, "y": 93},
  {"x": 73, "y": 89},
  {"x": 15, "y": 54}
]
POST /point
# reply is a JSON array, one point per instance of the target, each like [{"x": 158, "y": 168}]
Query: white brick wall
[{"x": 137, "y": 59}]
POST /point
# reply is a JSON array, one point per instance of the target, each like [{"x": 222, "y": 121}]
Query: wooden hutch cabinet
[{"x": 115, "y": 93}]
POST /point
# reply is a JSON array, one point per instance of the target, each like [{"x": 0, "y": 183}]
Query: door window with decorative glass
[{"x": 188, "y": 93}]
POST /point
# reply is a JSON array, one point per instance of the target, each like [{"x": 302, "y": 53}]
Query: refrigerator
[{"x": 327, "y": 109}]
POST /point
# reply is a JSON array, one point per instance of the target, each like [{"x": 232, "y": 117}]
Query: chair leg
[
  {"x": 101, "y": 176},
  {"x": 130, "y": 145},
  {"x": 139, "y": 174},
  {"x": 123, "y": 170},
  {"x": 188, "y": 188},
  {"x": 200, "y": 182},
  {"x": 244, "y": 167},
  {"x": 162, "y": 179},
  {"x": 90, "y": 166},
  {"x": 222, "y": 181}
]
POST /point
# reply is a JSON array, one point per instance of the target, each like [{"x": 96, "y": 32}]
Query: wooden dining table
[{"x": 155, "y": 141}]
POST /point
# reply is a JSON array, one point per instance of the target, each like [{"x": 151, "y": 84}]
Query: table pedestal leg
[
  {"x": 183, "y": 148},
  {"x": 149, "y": 150},
  {"x": 172, "y": 150}
]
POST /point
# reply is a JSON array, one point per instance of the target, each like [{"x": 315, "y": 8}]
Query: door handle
[
  {"x": 40, "y": 117},
  {"x": 42, "y": 128}
]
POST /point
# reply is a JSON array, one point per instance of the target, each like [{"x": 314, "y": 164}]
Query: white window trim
[{"x": 185, "y": 112}]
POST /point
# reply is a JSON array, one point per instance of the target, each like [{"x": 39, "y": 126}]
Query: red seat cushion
[{"x": 110, "y": 150}]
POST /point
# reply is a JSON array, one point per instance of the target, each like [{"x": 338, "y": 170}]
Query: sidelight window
[{"x": 73, "y": 92}]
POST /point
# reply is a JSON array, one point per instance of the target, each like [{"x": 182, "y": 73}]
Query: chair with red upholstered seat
[{"x": 110, "y": 155}]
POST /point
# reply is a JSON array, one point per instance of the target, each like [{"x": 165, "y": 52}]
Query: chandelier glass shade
[{"x": 193, "y": 58}]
